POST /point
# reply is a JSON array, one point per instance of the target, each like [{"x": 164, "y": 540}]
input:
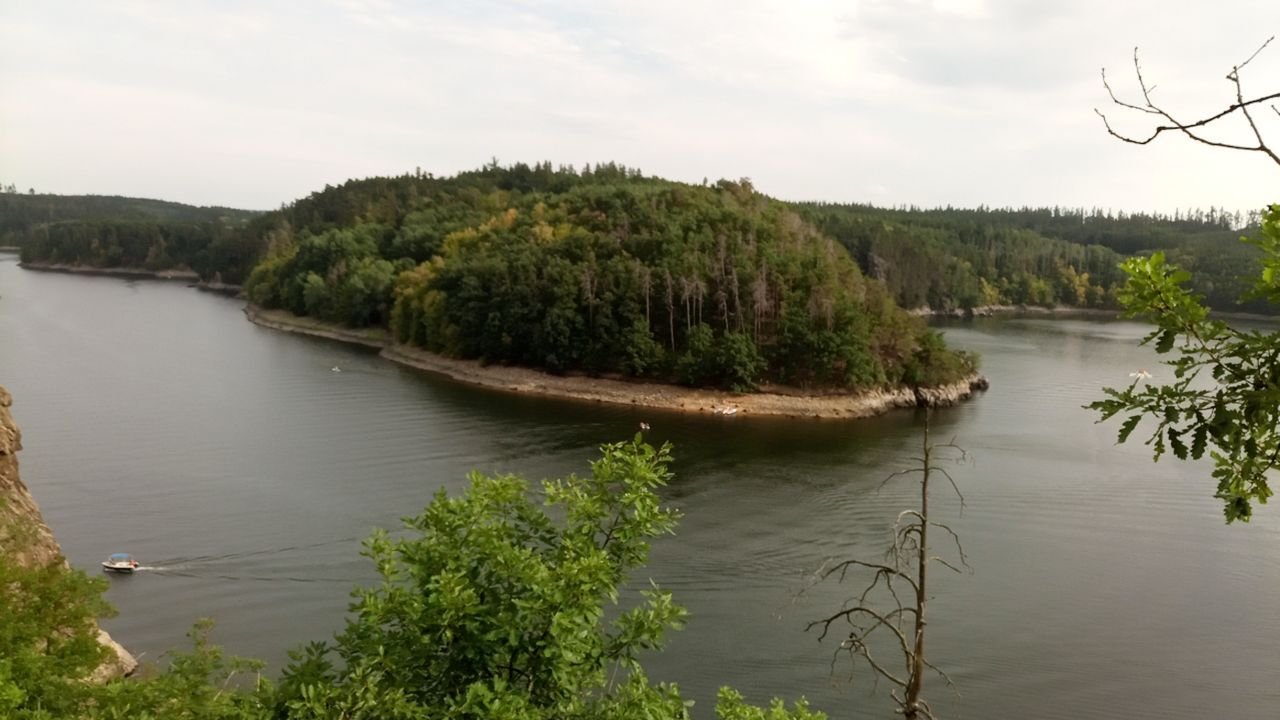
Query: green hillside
[
  {"x": 108, "y": 231},
  {"x": 603, "y": 271}
]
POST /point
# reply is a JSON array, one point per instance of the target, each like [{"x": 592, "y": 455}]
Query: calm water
[{"x": 232, "y": 460}]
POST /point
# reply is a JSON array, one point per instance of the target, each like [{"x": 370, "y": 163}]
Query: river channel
[{"x": 237, "y": 465}]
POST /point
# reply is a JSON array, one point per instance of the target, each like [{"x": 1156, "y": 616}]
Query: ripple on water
[{"x": 234, "y": 458}]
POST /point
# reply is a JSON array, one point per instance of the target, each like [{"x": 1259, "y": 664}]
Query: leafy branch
[{"x": 1224, "y": 400}]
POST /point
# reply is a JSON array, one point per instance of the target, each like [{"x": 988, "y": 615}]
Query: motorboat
[{"x": 120, "y": 562}]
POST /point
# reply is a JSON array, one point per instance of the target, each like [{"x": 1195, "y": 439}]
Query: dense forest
[
  {"x": 107, "y": 231},
  {"x": 605, "y": 270},
  {"x": 602, "y": 271},
  {"x": 958, "y": 258}
]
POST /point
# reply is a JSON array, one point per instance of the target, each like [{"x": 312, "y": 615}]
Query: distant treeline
[
  {"x": 104, "y": 231},
  {"x": 956, "y": 258},
  {"x": 603, "y": 271}
]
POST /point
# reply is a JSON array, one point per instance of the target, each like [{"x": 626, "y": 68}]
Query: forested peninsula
[{"x": 604, "y": 272}]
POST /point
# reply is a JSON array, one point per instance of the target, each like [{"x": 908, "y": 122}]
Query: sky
[{"x": 890, "y": 102}]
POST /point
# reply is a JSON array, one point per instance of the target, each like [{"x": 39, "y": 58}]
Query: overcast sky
[{"x": 962, "y": 102}]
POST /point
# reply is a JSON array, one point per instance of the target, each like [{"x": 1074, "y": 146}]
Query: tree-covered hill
[
  {"x": 109, "y": 231},
  {"x": 603, "y": 271}
]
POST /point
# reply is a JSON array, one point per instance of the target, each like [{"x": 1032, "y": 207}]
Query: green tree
[
  {"x": 494, "y": 607},
  {"x": 200, "y": 684},
  {"x": 48, "y": 632}
]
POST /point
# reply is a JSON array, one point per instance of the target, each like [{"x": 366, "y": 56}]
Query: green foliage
[
  {"x": 932, "y": 362},
  {"x": 48, "y": 635},
  {"x": 961, "y": 259},
  {"x": 49, "y": 648},
  {"x": 729, "y": 360},
  {"x": 642, "y": 353},
  {"x": 492, "y": 603},
  {"x": 730, "y": 706},
  {"x": 952, "y": 258},
  {"x": 110, "y": 232},
  {"x": 599, "y": 271},
  {"x": 196, "y": 685},
  {"x": 1224, "y": 399}
]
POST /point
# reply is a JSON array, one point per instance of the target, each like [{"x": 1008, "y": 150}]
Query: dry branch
[
  {"x": 907, "y": 559},
  {"x": 1195, "y": 129}
]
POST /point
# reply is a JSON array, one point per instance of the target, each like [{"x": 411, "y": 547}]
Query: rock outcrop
[{"x": 36, "y": 546}]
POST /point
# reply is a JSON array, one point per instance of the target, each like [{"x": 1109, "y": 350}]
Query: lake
[{"x": 233, "y": 461}]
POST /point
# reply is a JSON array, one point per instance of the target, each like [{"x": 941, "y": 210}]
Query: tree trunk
[{"x": 915, "y": 681}]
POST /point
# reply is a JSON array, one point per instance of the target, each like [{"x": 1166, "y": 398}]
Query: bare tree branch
[
  {"x": 907, "y": 559},
  {"x": 1192, "y": 129},
  {"x": 964, "y": 560}
]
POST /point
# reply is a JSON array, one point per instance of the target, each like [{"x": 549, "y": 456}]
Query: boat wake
[{"x": 216, "y": 566}]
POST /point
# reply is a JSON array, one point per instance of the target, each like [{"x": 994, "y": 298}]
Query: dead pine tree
[{"x": 890, "y": 612}]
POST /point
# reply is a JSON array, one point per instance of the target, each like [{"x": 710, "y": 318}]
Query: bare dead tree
[
  {"x": 686, "y": 296},
  {"x": 671, "y": 306},
  {"x": 590, "y": 282},
  {"x": 760, "y": 305},
  {"x": 890, "y": 611},
  {"x": 1197, "y": 130},
  {"x": 737, "y": 299},
  {"x": 645, "y": 276},
  {"x": 699, "y": 289}
]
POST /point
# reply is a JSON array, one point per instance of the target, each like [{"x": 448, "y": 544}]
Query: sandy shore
[
  {"x": 775, "y": 402},
  {"x": 185, "y": 275},
  {"x": 288, "y": 322}
]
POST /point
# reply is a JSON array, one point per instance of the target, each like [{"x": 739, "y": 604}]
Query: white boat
[
  {"x": 120, "y": 562},
  {"x": 726, "y": 411}
]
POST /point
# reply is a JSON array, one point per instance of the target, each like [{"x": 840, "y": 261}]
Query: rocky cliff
[{"x": 36, "y": 546}]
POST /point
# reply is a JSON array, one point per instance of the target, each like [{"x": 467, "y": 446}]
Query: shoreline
[
  {"x": 659, "y": 396},
  {"x": 1066, "y": 311},
  {"x": 1029, "y": 310},
  {"x": 125, "y": 272}
]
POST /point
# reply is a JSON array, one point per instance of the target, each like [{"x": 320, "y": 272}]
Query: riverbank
[
  {"x": 125, "y": 272},
  {"x": 1065, "y": 311},
  {"x": 288, "y": 322},
  {"x": 219, "y": 288},
  {"x": 1028, "y": 310},
  {"x": 772, "y": 402}
]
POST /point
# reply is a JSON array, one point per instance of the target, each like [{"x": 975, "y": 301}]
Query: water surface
[{"x": 233, "y": 460}]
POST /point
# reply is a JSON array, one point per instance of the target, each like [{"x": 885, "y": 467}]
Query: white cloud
[{"x": 893, "y": 101}]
